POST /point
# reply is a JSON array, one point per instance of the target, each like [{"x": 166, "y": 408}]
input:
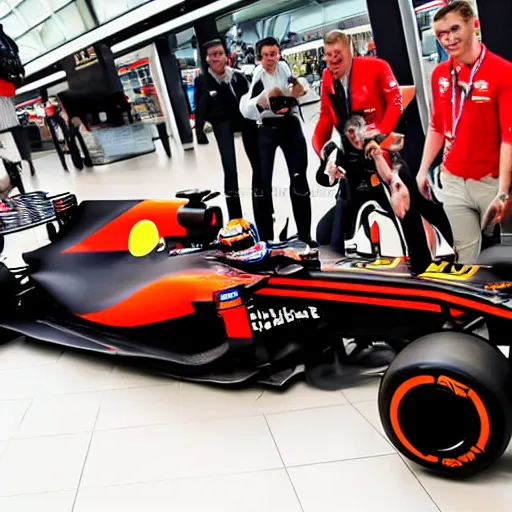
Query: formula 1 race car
[{"x": 164, "y": 282}]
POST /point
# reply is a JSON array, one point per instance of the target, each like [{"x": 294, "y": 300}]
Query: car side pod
[{"x": 445, "y": 403}]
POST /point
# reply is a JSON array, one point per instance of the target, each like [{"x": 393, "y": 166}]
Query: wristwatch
[{"x": 504, "y": 197}]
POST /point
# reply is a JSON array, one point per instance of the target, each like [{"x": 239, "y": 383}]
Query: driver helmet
[{"x": 238, "y": 235}]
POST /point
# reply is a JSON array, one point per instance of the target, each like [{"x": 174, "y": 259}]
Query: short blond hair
[
  {"x": 461, "y": 7},
  {"x": 336, "y": 36}
]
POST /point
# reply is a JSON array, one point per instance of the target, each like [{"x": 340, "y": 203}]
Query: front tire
[{"x": 444, "y": 403}]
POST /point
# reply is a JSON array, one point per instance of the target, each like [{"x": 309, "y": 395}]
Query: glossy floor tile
[
  {"x": 379, "y": 483},
  {"x": 42, "y": 502},
  {"x": 270, "y": 491},
  {"x": 143, "y": 454},
  {"x": 42, "y": 464},
  {"x": 326, "y": 434},
  {"x": 83, "y": 433}
]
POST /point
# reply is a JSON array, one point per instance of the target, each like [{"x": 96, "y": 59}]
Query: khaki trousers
[{"x": 465, "y": 203}]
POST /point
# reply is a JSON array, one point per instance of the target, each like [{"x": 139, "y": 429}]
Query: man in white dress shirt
[{"x": 279, "y": 128}]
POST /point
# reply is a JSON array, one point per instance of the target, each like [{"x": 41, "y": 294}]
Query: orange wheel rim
[{"x": 457, "y": 388}]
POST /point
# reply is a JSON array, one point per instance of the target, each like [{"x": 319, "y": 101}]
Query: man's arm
[
  {"x": 254, "y": 102},
  {"x": 393, "y": 98},
  {"x": 325, "y": 124},
  {"x": 433, "y": 144},
  {"x": 435, "y": 136},
  {"x": 505, "y": 116},
  {"x": 501, "y": 203}
]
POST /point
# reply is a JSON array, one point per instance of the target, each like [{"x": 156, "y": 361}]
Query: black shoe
[{"x": 309, "y": 241}]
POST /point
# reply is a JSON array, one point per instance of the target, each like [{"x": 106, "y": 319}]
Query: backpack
[{"x": 11, "y": 67}]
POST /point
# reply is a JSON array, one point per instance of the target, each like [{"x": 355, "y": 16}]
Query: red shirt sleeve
[
  {"x": 436, "y": 118},
  {"x": 505, "y": 106},
  {"x": 325, "y": 124},
  {"x": 7, "y": 88},
  {"x": 393, "y": 98}
]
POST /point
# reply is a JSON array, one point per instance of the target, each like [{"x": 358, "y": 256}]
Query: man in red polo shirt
[
  {"x": 472, "y": 119},
  {"x": 355, "y": 85},
  {"x": 352, "y": 86}
]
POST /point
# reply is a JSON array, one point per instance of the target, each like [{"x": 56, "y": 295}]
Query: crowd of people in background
[{"x": 473, "y": 87}]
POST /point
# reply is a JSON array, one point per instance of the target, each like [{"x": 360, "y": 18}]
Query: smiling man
[
  {"x": 351, "y": 85},
  {"x": 472, "y": 119},
  {"x": 364, "y": 86}
]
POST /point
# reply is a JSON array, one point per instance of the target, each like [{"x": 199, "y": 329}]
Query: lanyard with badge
[{"x": 465, "y": 93}]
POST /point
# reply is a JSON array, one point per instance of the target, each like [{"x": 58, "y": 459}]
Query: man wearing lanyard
[
  {"x": 217, "y": 95},
  {"x": 472, "y": 119},
  {"x": 271, "y": 79}
]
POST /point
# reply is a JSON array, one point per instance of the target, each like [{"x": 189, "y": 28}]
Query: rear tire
[{"x": 444, "y": 403}]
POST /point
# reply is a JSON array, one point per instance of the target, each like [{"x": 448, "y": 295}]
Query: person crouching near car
[
  {"x": 361, "y": 174},
  {"x": 351, "y": 86},
  {"x": 472, "y": 121}
]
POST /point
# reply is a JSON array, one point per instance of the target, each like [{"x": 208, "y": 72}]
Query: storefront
[
  {"x": 135, "y": 74},
  {"x": 300, "y": 26}
]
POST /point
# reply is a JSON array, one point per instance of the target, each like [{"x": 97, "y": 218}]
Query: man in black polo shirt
[{"x": 217, "y": 97}]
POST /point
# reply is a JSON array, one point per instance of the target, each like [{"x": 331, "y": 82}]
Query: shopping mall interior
[{"x": 85, "y": 432}]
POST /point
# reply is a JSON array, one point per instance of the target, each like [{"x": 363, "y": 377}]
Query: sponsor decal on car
[
  {"x": 450, "y": 271},
  {"x": 499, "y": 286},
  {"x": 265, "y": 320}
]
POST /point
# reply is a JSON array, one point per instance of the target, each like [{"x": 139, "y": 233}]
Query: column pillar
[
  {"x": 172, "y": 76},
  {"x": 205, "y": 30},
  {"x": 495, "y": 21}
]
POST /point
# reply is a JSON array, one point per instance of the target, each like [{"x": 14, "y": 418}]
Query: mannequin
[{"x": 11, "y": 76}]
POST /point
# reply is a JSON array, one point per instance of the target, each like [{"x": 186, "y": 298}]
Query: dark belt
[{"x": 279, "y": 122}]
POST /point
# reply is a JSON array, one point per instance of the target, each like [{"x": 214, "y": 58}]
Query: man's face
[
  {"x": 455, "y": 34},
  {"x": 270, "y": 56},
  {"x": 217, "y": 59},
  {"x": 338, "y": 58}
]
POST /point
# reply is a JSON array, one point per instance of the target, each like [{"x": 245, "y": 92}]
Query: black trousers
[
  {"x": 286, "y": 134},
  {"x": 224, "y": 135},
  {"x": 338, "y": 223}
]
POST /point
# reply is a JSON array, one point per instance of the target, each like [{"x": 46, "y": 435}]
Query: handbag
[{"x": 11, "y": 67}]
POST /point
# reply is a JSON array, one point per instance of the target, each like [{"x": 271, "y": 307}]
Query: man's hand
[
  {"x": 297, "y": 90},
  {"x": 275, "y": 92},
  {"x": 334, "y": 172},
  {"x": 496, "y": 211},
  {"x": 263, "y": 100},
  {"x": 400, "y": 197},
  {"x": 424, "y": 184},
  {"x": 373, "y": 150}
]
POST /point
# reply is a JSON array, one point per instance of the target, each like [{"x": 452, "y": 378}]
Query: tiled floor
[{"x": 79, "y": 433}]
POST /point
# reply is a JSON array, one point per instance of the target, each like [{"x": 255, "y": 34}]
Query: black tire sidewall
[{"x": 492, "y": 386}]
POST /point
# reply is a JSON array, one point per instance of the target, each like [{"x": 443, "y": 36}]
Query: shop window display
[{"x": 139, "y": 87}]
